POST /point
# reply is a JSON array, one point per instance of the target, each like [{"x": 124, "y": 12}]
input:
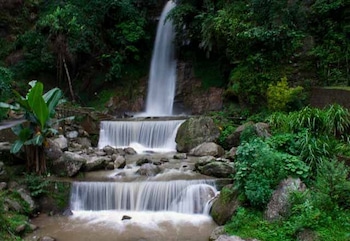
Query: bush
[{"x": 280, "y": 96}]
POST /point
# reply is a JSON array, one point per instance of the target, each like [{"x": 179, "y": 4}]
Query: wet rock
[
  {"x": 126, "y": 217},
  {"x": 180, "y": 156},
  {"x": 100, "y": 153},
  {"x": 204, "y": 160},
  {"x": 207, "y": 149},
  {"x": 110, "y": 166},
  {"x": 220, "y": 230},
  {"x": 119, "y": 161},
  {"x": 142, "y": 161},
  {"x": 69, "y": 164},
  {"x": 279, "y": 203},
  {"x": 196, "y": 131},
  {"x": 130, "y": 151},
  {"x": 67, "y": 212},
  {"x": 225, "y": 205},
  {"x": 164, "y": 160},
  {"x": 95, "y": 163},
  {"x": 46, "y": 238},
  {"x": 109, "y": 150},
  {"x": 149, "y": 169}
]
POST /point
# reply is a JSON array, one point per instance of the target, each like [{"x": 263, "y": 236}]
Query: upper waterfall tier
[
  {"x": 158, "y": 136},
  {"x": 161, "y": 84}
]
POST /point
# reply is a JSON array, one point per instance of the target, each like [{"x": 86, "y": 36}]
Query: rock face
[
  {"x": 225, "y": 205},
  {"x": 194, "y": 132},
  {"x": 207, "y": 149},
  {"x": 217, "y": 169},
  {"x": 279, "y": 205}
]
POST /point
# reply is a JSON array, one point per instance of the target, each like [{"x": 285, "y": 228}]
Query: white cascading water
[
  {"x": 161, "y": 84},
  {"x": 141, "y": 135},
  {"x": 179, "y": 196}
]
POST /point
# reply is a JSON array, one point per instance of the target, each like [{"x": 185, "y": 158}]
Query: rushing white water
[
  {"x": 161, "y": 83},
  {"x": 180, "y": 196},
  {"x": 158, "y": 136}
]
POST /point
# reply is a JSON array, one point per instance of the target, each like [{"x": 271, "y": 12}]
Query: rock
[
  {"x": 21, "y": 228},
  {"x": 225, "y": 237},
  {"x": 69, "y": 164},
  {"x": 84, "y": 142},
  {"x": 3, "y": 186},
  {"x": 207, "y": 149},
  {"x": 142, "y": 161},
  {"x": 95, "y": 163},
  {"x": 262, "y": 129},
  {"x": 25, "y": 195},
  {"x": 72, "y": 134},
  {"x": 53, "y": 151},
  {"x": 204, "y": 160},
  {"x": 220, "y": 230},
  {"x": 196, "y": 131},
  {"x": 100, "y": 153},
  {"x": 164, "y": 160},
  {"x": 119, "y": 161},
  {"x": 231, "y": 154},
  {"x": 109, "y": 150},
  {"x": 307, "y": 235},
  {"x": 148, "y": 169},
  {"x": 234, "y": 139},
  {"x": 13, "y": 205},
  {"x": 110, "y": 166},
  {"x": 225, "y": 205},
  {"x": 46, "y": 238},
  {"x": 62, "y": 142},
  {"x": 279, "y": 203},
  {"x": 3, "y": 174},
  {"x": 67, "y": 212},
  {"x": 33, "y": 227},
  {"x": 126, "y": 217},
  {"x": 180, "y": 156},
  {"x": 130, "y": 151},
  {"x": 217, "y": 169}
]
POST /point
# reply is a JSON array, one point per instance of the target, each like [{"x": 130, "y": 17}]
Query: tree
[{"x": 39, "y": 111}]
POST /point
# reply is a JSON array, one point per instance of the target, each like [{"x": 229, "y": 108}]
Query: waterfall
[
  {"x": 141, "y": 135},
  {"x": 161, "y": 84},
  {"x": 180, "y": 196}
]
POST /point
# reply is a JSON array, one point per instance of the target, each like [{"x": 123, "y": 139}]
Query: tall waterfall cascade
[
  {"x": 162, "y": 79},
  {"x": 191, "y": 197},
  {"x": 141, "y": 135}
]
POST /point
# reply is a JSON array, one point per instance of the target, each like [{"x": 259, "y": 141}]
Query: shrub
[{"x": 281, "y": 96}]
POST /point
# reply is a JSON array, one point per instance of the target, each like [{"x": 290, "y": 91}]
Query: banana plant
[{"x": 39, "y": 111}]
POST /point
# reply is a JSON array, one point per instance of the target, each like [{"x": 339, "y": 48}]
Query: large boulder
[
  {"x": 279, "y": 203},
  {"x": 225, "y": 205},
  {"x": 149, "y": 170},
  {"x": 53, "y": 150},
  {"x": 234, "y": 139},
  {"x": 69, "y": 164},
  {"x": 196, "y": 131},
  {"x": 62, "y": 142},
  {"x": 207, "y": 149}
]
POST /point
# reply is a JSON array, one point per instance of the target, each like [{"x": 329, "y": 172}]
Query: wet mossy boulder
[{"x": 196, "y": 131}]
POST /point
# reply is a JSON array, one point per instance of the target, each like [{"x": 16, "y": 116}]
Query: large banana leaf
[{"x": 37, "y": 103}]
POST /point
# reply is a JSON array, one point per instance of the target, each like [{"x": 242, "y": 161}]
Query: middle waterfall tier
[
  {"x": 180, "y": 196},
  {"x": 158, "y": 136}
]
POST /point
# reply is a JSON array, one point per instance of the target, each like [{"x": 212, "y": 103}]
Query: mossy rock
[{"x": 196, "y": 131}]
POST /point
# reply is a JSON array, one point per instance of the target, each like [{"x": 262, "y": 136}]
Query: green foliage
[
  {"x": 279, "y": 96},
  {"x": 248, "y": 134},
  {"x": 332, "y": 186},
  {"x": 259, "y": 169},
  {"x": 37, "y": 185},
  {"x": 225, "y": 132},
  {"x": 6, "y": 76}
]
